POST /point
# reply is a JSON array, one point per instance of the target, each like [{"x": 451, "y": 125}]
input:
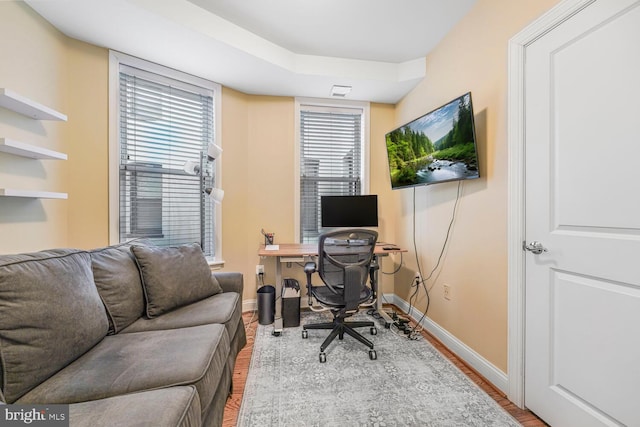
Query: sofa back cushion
[
  {"x": 50, "y": 314},
  {"x": 117, "y": 278},
  {"x": 174, "y": 276}
]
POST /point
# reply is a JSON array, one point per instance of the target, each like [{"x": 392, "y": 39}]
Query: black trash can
[
  {"x": 266, "y": 304},
  {"x": 290, "y": 303}
]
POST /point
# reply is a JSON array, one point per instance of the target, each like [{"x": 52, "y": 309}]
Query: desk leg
[
  {"x": 277, "y": 323},
  {"x": 387, "y": 320}
]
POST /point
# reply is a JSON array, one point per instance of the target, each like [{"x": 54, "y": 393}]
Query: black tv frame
[{"x": 426, "y": 170}]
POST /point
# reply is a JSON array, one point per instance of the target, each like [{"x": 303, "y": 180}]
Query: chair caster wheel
[
  {"x": 323, "y": 357},
  {"x": 373, "y": 330},
  {"x": 305, "y": 334},
  {"x": 373, "y": 355}
]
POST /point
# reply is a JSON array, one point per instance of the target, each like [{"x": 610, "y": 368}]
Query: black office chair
[{"x": 344, "y": 260}]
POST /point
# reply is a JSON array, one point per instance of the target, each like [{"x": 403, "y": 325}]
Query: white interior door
[{"x": 582, "y": 203}]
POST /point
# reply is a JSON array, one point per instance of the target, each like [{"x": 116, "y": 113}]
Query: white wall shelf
[
  {"x": 25, "y": 106},
  {"x": 27, "y": 150},
  {"x": 10, "y": 192}
]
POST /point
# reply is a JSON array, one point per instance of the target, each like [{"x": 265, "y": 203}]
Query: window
[
  {"x": 164, "y": 122},
  {"x": 333, "y": 158}
]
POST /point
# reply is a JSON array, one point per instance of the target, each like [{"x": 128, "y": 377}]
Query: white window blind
[
  {"x": 330, "y": 160},
  {"x": 163, "y": 124}
]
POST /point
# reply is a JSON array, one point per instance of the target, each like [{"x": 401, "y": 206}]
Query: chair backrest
[{"x": 344, "y": 258}]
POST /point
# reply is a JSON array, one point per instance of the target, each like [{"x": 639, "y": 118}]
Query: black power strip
[{"x": 403, "y": 325}]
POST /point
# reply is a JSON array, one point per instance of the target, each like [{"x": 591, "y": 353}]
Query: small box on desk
[{"x": 290, "y": 303}]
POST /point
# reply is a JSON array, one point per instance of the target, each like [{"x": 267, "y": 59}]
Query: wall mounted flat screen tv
[
  {"x": 349, "y": 211},
  {"x": 437, "y": 147}
]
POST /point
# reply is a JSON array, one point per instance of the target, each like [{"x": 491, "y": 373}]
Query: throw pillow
[
  {"x": 118, "y": 281},
  {"x": 174, "y": 276},
  {"x": 51, "y": 315}
]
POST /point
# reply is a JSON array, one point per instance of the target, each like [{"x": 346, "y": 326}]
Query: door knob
[{"x": 534, "y": 247}]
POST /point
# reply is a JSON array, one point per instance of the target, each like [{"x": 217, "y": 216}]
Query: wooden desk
[
  {"x": 290, "y": 250},
  {"x": 298, "y": 252}
]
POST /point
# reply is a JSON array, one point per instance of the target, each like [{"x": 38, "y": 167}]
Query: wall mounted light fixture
[
  {"x": 216, "y": 194},
  {"x": 192, "y": 167},
  {"x": 213, "y": 151}
]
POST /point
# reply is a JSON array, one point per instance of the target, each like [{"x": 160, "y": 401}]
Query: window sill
[{"x": 215, "y": 264}]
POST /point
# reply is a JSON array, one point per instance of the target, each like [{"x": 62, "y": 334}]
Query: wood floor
[{"x": 524, "y": 417}]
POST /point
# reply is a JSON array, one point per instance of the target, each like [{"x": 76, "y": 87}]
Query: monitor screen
[{"x": 349, "y": 211}]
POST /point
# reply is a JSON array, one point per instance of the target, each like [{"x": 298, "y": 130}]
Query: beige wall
[
  {"x": 472, "y": 57},
  {"x": 34, "y": 65},
  {"x": 257, "y": 176},
  {"x": 72, "y": 76},
  {"x": 236, "y": 252},
  {"x": 88, "y": 173},
  {"x": 258, "y": 179},
  {"x": 382, "y": 120},
  {"x": 257, "y": 164}
]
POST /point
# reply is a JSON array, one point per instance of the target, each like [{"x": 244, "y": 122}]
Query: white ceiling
[{"x": 272, "y": 47}]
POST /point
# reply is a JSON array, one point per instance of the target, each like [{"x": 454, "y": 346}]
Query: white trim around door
[{"x": 516, "y": 189}]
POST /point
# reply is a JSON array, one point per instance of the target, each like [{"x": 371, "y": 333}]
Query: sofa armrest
[{"x": 230, "y": 281}]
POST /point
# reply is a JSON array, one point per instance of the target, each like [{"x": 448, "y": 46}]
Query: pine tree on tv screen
[{"x": 437, "y": 147}]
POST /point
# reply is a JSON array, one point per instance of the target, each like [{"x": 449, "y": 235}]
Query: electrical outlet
[
  {"x": 259, "y": 269},
  {"x": 447, "y": 291},
  {"x": 417, "y": 276}
]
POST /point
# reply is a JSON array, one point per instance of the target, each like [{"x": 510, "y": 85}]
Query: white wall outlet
[
  {"x": 259, "y": 269},
  {"x": 417, "y": 276},
  {"x": 447, "y": 291}
]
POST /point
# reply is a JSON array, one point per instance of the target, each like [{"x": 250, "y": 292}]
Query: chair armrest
[{"x": 230, "y": 281}]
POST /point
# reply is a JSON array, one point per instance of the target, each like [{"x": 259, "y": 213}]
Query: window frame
[
  {"x": 115, "y": 60},
  {"x": 300, "y": 102}
]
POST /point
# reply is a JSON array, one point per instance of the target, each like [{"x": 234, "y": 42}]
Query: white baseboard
[
  {"x": 485, "y": 368},
  {"x": 249, "y": 305}
]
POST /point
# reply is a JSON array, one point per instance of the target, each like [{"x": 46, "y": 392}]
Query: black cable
[
  {"x": 414, "y": 284},
  {"x": 415, "y": 251},
  {"x": 374, "y": 313},
  {"x": 446, "y": 240},
  {"x": 397, "y": 269},
  {"x": 444, "y": 246}
]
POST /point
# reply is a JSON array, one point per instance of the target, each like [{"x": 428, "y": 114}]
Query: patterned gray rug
[{"x": 410, "y": 384}]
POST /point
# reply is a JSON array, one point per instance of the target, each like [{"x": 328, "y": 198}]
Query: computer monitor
[{"x": 349, "y": 211}]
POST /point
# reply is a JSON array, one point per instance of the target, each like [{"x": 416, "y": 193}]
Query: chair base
[{"x": 338, "y": 329}]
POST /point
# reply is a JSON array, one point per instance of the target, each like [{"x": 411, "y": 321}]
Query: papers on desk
[{"x": 271, "y": 247}]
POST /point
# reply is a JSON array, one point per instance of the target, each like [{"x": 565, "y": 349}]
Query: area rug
[{"x": 410, "y": 383}]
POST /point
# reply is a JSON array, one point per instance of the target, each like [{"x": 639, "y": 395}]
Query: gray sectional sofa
[{"x": 126, "y": 335}]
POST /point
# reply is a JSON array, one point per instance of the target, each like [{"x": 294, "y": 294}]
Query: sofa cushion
[
  {"x": 172, "y": 406},
  {"x": 50, "y": 314},
  {"x": 141, "y": 361},
  {"x": 117, "y": 278},
  {"x": 174, "y": 276},
  {"x": 224, "y": 308}
]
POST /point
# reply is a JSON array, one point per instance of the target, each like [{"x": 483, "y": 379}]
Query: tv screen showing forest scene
[{"x": 437, "y": 147}]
